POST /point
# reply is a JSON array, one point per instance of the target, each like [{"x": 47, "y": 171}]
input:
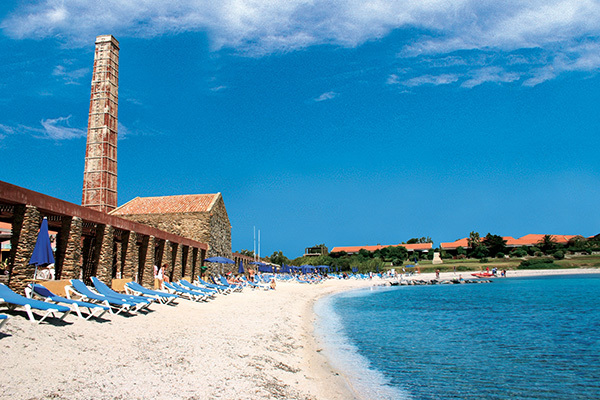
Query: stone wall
[
  {"x": 27, "y": 221},
  {"x": 212, "y": 228}
]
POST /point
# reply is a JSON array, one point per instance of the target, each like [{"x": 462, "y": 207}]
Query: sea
[{"x": 514, "y": 338}]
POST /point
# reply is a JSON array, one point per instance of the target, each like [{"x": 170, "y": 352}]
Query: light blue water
[{"x": 521, "y": 338}]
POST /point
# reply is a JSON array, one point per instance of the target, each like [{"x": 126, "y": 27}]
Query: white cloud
[
  {"x": 52, "y": 128},
  {"x": 218, "y": 88},
  {"x": 490, "y": 74},
  {"x": 326, "y": 96},
  {"x": 435, "y": 80},
  {"x": 256, "y": 27},
  {"x": 70, "y": 77},
  {"x": 60, "y": 129},
  {"x": 7, "y": 130}
]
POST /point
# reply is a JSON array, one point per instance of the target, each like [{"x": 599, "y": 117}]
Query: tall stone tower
[{"x": 100, "y": 172}]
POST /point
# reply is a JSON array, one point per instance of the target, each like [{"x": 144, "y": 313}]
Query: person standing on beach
[
  {"x": 163, "y": 275},
  {"x": 156, "y": 277}
]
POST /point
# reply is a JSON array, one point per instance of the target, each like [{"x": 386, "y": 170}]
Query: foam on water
[{"x": 366, "y": 382}]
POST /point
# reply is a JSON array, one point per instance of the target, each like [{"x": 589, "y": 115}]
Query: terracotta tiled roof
[
  {"x": 527, "y": 240},
  {"x": 533, "y": 239},
  {"x": 356, "y": 249},
  {"x": 457, "y": 243},
  {"x": 168, "y": 204}
]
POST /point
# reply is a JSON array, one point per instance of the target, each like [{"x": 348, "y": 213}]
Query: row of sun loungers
[{"x": 87, "y": 302}]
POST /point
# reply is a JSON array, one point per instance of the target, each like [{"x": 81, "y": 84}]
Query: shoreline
[{"x": 250, "y": 345}]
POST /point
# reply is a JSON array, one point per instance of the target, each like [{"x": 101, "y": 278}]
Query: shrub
[
  {"x": 518, "y": 253},
  {"x": 538, "y": 263},
  {"x": 500, "y": 255},
  {"x": 559, "y": 254},
  {"x": 483, "y": 260},
  {"x": 533, "y": 250},
  {"x": 538, "y": 254}
]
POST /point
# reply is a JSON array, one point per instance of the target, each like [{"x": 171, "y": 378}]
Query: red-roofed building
[
  {"x": 422, "y": 247},
  {"x": 201, "y": 217},
  {"x": 527, "y": 240}
]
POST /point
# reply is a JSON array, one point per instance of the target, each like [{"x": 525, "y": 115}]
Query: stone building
[{"x": 200, "y": 217}]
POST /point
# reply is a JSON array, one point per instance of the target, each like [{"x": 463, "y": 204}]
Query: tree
[
  {"x": 495, "y": 244},
  {"x": 365, "y": 253},
  {"x": 474, "y": 240},
  {"x": 398, "y": 252},
  {"x": 461, "y": 251},
  {"x": 547, "y": 244},
  {"x": 249, "y": 253},
  {"x": 424, "y": 239},
  {"x": 479, "y": 252},
  {"x": 278, "y": 258}
]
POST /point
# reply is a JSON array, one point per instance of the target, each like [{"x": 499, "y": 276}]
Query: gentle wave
[{"x": 366, "y": 382}]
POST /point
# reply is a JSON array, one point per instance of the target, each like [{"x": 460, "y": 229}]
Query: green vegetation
[{"x": 482, "y": 253}]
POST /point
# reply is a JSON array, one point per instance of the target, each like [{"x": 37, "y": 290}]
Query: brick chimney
[{"x": 100, "y": 171}]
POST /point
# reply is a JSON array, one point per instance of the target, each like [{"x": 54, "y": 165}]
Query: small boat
[{"x": 484, "y": 275}]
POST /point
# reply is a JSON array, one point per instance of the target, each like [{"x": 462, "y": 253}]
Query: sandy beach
[{"x": 250, "y": 345}]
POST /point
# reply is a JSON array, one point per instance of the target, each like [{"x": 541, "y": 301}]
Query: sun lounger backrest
[
  {"x": 42, "y": 291},
  {"x": 81, "y": 287},
  {"x": 56, "y": 287},
  {"x": 118, "y": 285}
]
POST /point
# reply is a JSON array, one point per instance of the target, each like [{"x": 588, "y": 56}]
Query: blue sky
[{"x": 338, "y": 122}]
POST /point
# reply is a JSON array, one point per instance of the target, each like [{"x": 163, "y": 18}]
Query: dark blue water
[{"x": 521, "y": 338}]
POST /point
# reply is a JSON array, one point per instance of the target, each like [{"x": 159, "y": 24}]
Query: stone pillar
[
  {"x": 72, "y": 228},
  {"x": 105, "y": 241},
  {"x": 26, "y": 224},
  {"x": 159, "y": 251},
  {"x": 117, "y": 259},
  {"x": 168, "y": 258},
  {"x": 185, "y": 260},
  {"x": 195, "y": 270},
  {"x": 177, "y": 266},
  {"x": 131, "y": 263},
  {"x": 147, "y": 278}
]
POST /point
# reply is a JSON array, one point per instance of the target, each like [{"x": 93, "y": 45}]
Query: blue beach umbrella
[
  {"x": 42, "y": 252},
  {"x": 220, "y": 260},
  {"x": 241, "y": 267}
]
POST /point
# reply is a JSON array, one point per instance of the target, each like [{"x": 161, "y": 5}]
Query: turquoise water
[{"x": 521, "y": 338}]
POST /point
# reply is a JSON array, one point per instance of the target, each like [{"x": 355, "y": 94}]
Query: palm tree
[{"x": 547, "y": 244}]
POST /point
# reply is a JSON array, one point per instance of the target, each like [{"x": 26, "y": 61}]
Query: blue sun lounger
[
  {"x": 13, "y": 299},
  {"x": 136, "y": 288},
  {"x": 3, "y": 319},
  {"x": 207, "y": 291},
  {"x": 236, "y": 288},
  {"x": 79, "y": 288},
  {"x": 94, "y": 310},
  {"x": 220, "y": 288},
  {"x": 102, "y": 288},
  {"x": 185, "y": 293}
]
